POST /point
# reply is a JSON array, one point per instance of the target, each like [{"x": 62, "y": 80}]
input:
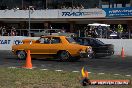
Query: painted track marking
[
  {"x": 58, "y": 70},
  {"x": 75, "y": 71}
]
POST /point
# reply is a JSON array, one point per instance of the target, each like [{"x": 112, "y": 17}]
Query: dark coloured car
[{"x": 100, "y": 49}]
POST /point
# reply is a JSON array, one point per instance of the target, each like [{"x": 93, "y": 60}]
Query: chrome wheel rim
[{"x": 64, "y": 55}]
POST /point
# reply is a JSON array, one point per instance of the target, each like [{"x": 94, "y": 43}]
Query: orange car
[{"x": 61, "y": 47}]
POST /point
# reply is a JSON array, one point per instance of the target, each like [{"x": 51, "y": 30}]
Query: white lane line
[
  {"x": 58, "y": 70},
  {"x": 128, "y": 75},
  {"x": 101, "y": 73},
  {"x": 89, "y": 72},
  {"x": 44, "y": 69},
  {"x": 43, "y": 65},
  {"x": 75, "y": 71},
  {"x": 11, "y": 67},
  {"x": 116, "y": 74},
  {"x": 34, "y": 67}
]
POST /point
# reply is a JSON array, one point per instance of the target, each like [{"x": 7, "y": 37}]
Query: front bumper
[
  {"x": 103, "y": 54},
  {"x": 86, "y": 54}
]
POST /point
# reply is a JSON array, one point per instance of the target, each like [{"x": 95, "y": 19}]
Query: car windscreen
[
  {"x": 99, "y": 42},
  {"x": 54, "y": 31},
  {"x": 70, "y": 40}
]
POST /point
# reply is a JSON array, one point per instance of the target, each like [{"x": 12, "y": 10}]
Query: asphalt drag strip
[{"x": 113, "y": 64}]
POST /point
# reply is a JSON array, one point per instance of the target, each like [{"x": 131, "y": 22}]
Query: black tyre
[
  {"x": 63, "y": 55},
  {"x": 91, "y": 56},
  {"x": 74, "y": 59},
  {"x": 21, "y": 55}
]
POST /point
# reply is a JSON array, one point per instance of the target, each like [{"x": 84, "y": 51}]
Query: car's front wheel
[
  {"x": 21, "y": 55},
  {"x": 91, "y": 56}
]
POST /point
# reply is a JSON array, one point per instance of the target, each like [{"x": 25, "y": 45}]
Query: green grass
[{"x": 36, "y": 78}]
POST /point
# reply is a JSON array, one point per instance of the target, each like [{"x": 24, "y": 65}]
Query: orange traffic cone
[
  {"x": 122, "y": 53},
  {"x": 28, "y": 63}
]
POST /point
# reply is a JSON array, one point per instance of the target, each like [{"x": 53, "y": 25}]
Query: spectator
[
  {"x": 119, "y": 31},
  {"x": 13, "y": 31},
  {"x": 81, "y": 6},
  {"x": 3, "y": 31}
]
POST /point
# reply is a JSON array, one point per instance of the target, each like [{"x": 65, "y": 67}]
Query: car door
[
  {"x": 95, "y": 46},
  {"x": 55, "y": 45},
  {"x": 42, "y": 47}
]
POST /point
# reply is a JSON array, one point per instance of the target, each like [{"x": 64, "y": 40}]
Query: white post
[
  {"x": 85, "y": 33},
  {"x": 29, "y": 34},
  {"x": 129, "y": 33},
  {"x": 46, "y": 3},
  {"x": 101, "y": 32},
  {"x": 1, "y": 31},
  {"x": 22, "y": 4},
  {"x": 79, "y": 33}
]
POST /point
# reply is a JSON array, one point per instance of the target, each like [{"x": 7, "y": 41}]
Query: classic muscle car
[
  {"x": 61, "y": 47},
  {"x": 100, "y": 49}
]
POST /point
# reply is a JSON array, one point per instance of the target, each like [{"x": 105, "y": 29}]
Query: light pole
[
  {"x": 72, "y": 3},
  {"x": 22, "y": 4},
  {"x": 45, "y": 4},
  {"x": 29, "y": 20},
  {"x": 100, "y": 3}
]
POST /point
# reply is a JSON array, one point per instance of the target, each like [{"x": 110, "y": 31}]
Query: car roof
[
  {"x": 52, "y": 29},
  {"x": 51, "y": 36},
  {"x": 85, "y": 38}
]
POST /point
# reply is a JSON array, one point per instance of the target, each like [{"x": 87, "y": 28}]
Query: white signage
[
  {"x": 84, "y": 13},
  {"x": 57, "y": 13}
]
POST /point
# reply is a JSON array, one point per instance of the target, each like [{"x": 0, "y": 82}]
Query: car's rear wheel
[
  {"x": 21, "y": 55},
  {"x": 63, "y": 55}
]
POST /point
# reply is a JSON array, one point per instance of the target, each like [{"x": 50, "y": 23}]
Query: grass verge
[{"x": 36, "y": 78}]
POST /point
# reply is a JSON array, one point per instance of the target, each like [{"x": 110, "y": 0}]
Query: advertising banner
[
  {"x": 82, "y": 13},
  {"x": 68, "y": 13},
  {"x": 118, "y": 12}
]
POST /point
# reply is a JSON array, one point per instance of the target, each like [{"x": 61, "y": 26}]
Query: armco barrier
[{"x": 6, "y": 43}]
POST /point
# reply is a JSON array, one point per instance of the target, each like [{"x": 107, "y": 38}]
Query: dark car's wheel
[
  {"x": 21, "y": 55},
  {"x": 63, "y": 55},
  {"x": 91, "y": 56}
]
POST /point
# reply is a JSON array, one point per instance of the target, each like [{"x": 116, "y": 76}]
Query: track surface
[{"x": 113, "y": 64}]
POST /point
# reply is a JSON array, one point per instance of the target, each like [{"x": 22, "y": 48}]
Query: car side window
[
  {"x": 86, "y": 42},
  {"x": 55, "y": 40},
  {"x": 80, "y": 41},
  {"x": 45, "y": 40},
  {"x": 92, "y": 42},
  {"x": 41, "y": 40}
]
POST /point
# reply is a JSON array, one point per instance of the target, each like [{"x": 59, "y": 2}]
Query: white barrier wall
[
  {"x": 118, "y": 44},
  {"x": 7, "y": 42}
]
